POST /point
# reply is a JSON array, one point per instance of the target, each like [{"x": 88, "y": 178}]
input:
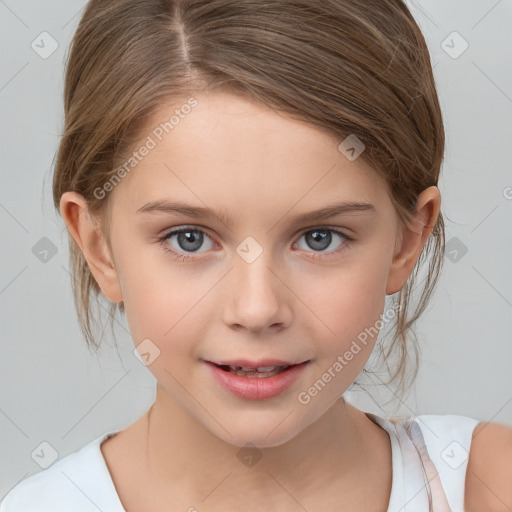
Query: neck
[{"x": 336, "y": 449}]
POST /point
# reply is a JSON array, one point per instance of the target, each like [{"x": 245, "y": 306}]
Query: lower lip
[{"x": 256, "y": 388}]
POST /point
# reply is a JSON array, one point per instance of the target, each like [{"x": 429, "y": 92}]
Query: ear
[
  {"x": 85, "y": 230},
  {"x": 413, "y": 238}
]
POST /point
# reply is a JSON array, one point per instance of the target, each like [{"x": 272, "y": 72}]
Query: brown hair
[{"x": 351, "y": 67}]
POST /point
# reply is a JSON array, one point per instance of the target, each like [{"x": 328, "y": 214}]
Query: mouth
[
  {"x": 252, "y": 373},
  {"x": 255, "y": 370},
  {"x": 256, "y": 381}
]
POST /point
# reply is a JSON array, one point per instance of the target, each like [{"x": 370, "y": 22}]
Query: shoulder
[
  {"x": 33, "y": 491},
  {"x": 489, "y": 471},
  {"x": 79, "y": 482},
  {"x": 36, "y": 491}
]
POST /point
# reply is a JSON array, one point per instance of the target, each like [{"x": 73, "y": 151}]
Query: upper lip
[{"x": 256, "y": 364}]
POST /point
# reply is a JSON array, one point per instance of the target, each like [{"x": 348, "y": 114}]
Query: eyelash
[{"x": 317, "y": 256}]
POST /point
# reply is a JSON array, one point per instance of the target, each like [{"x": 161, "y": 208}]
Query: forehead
[{"x": 230, "y": 150}]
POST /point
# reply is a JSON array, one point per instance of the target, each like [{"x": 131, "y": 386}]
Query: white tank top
[
  {"x": 429, "y": 458},
  {"x": 430, "y": 455}
]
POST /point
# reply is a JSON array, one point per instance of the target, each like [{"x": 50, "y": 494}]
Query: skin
[
  {"x": 263, "y": 169},
  {"x": 489, "y": 470}
]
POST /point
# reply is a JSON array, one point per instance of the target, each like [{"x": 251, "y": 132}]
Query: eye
[
  {"x": 186, "y": 239},
  {"x": 320, "y": 239}
]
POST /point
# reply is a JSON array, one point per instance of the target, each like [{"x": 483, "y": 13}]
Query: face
[{"x": 255, "y": 280}]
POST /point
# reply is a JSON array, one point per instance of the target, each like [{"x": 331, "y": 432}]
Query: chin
[{"x": 259, "y": 430}]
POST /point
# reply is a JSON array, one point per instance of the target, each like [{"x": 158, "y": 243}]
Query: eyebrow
[{"x": 222, "y": 215}]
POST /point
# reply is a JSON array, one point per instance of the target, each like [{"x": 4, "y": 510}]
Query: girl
[{"x": 254, "y": 185}]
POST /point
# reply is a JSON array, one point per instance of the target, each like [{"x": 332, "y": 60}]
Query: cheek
[
  {"x": 345, "y": 303},
  {"x": 348, "y": 305},
  {"x": 162, "y": 300}
]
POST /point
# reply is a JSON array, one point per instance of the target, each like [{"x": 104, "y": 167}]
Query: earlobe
[
  {"x": 86, "y": 232},
  {"x": 414, "y": 236}
]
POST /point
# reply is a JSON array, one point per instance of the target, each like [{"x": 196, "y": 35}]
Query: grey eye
[
  {"x": 320, "y": 239},
  {"x": 187, "y": 239}
]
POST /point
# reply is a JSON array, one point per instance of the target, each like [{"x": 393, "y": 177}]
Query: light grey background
[{"x": 53, "y": 390}]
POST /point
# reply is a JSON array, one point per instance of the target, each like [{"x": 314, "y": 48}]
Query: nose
[{"x": 258, "y": 298}]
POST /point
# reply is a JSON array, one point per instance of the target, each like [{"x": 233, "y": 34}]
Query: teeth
[
  {"x": 268, "y": 368},
  {"x": 264, "y": 371},
  {"x": 260, "y": 369}
]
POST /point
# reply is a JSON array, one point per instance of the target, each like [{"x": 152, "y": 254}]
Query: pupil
[
  {"x": 319, "y": 240},
  {"x": 187, "y": 237}
]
